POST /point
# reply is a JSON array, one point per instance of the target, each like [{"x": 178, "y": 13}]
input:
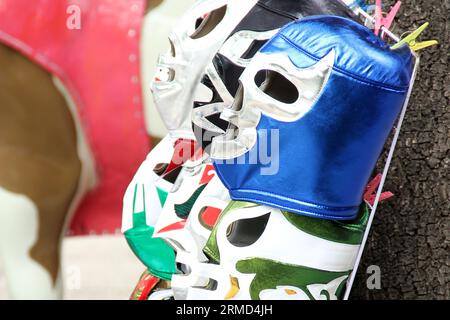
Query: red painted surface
[{"x": 99, "y": 65}]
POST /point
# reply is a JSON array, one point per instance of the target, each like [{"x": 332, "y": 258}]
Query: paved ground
[
  {"x": 410, "y": 239},
  {"x": 96, "y": 267}
]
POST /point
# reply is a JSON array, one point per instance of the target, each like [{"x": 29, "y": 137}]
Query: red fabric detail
[
  {"x": 144, "y": 287},
  {"x": 210, "y": 216},
  {"x": 99, "y": 65},
  {"x": 184, "y": 150},
  {"x": 174, "y": 226},
  {"x": 208, "y": 174}
]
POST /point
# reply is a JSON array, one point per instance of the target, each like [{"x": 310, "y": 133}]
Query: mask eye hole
[
  {"x": 172, "y": 175},
  {"x": 245, "y": 232},
  {"x": 209, "y": 23},
  {"x": 164, "y": 74},
  {"x": 175, "y": 245},
  {"x": 160, "y": 168},
  {"x": 276, "y": 86}
]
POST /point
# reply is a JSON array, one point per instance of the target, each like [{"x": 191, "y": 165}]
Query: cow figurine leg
[{"x": 39, "y": 176}]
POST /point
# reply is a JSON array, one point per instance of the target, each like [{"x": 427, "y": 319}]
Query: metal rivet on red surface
[
  {"x": 131, "y": 33},
  {"x": 134, "y": 7},
  {"x": 132, "y": 57}
]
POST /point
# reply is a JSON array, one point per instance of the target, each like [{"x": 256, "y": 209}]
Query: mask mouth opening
[{"x": 205, "y": 25}]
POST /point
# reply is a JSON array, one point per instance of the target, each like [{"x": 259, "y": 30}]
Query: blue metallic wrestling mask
[{"x": 331, "y": 93}]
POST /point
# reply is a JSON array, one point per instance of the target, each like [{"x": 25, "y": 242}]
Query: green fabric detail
[
  {"x": 348, "y": 232},
  {"x": 162, "y": 196},
  {"x": 183, "y": 209},
  {"x": 270, "y": 274},
  {"x": 154, "y": 253},
  {"x": 211, "y": 249}
]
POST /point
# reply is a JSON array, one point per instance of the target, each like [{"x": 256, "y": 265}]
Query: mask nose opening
[{"x": 208, "y": 23}]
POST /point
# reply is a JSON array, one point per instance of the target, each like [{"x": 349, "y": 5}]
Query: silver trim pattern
[{"x": 242, "y": 136}]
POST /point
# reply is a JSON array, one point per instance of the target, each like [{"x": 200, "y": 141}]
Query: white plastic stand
[{"x": 387, "y": 165}]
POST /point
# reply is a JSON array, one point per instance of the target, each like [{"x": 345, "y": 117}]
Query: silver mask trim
[
  {"x": 233, "y": 49},
  {"x": 240, "y": 42},
  {"x": 242, "y": 135},
  {"x": 174, "y": 98}
]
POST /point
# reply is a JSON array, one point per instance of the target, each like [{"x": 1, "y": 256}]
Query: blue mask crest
[{"x": 331, "y": 94}]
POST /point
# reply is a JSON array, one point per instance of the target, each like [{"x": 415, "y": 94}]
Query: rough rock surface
[{"x": 410, "y": 237}]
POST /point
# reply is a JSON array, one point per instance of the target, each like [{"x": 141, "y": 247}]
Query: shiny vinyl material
[
  {"x": 326, "y": 153},
  {"x": 221, "y": 78}
]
